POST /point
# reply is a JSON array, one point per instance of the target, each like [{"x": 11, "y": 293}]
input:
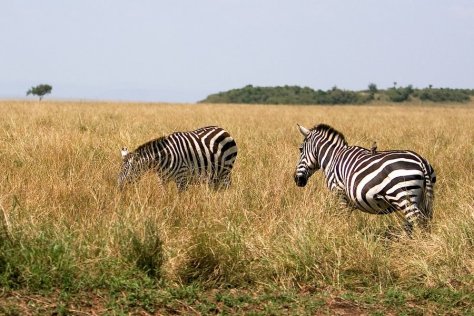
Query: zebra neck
[
  {"x": 327, "y": 158},
  {"x": 162, "y": 160},
  {"x": 147, "y": 161},
  {"x": 150, "y": 156}
]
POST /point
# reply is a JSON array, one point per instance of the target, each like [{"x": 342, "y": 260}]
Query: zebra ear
[
  {"x": 124, "y": 152},
  {"x": 303, "y": 130}
]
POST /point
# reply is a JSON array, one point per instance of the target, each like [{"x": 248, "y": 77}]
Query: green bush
[
  {"x": 443, "y": 95},
  {"x": 399, "y": 94},
  {"x": 144, "y": 249}
]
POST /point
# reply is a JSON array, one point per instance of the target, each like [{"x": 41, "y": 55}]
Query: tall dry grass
[{"x": 58, "y": 190}]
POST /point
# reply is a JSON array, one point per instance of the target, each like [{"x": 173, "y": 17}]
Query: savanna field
[{"x": 72, "y": 243}]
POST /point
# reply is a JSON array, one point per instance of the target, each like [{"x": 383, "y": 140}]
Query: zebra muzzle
[{"x": 301, "y": 180}]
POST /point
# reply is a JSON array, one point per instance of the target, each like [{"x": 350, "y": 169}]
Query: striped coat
[
  {"x": 203, "y": 155},
  {"x": 377, "y": 182}
]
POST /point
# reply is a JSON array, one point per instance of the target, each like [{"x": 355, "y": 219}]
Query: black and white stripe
[
  {"x": 377, "y": 182},
  {"x": 206, "y": 154}
]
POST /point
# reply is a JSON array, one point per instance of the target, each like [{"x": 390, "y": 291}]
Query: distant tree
[
  {"x": 40, "y": 90},
  {"x": 400, "y": 94},
  {"x": 372, "y": 90}
]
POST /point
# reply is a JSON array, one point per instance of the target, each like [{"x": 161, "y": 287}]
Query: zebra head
[
  {"x": 131, "y": 167},
  {"x": 308, "y": 162}
]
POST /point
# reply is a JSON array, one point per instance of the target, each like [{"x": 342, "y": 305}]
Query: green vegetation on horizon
[{"x": 306, "y": 96}]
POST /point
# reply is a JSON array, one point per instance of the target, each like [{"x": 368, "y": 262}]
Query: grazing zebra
[
  {"x": 377, "y": 182},
  {"x": 206, "y": 154}
]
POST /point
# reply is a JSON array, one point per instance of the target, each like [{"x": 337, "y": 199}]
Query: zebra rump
[
  {"x": 203, "y": 155},
  {"x": 377, "y": 182}
]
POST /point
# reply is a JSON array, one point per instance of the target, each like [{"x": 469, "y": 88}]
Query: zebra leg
[
  {"x": 408, "y": 227},
  {"x": 183, "y": 177},
  {"x": 426, "y": 211},
  {"x": 182, "y": 184},
  {"x": 420, "y": 214},
  {"x": 214, "y": 183},
  {"x": 413, "y": 217},
  {"x": 343, "y": 200},
  {"x": 408, "y": 208},
  {"x": 225, "y": 181},
  {"x": 407, "y": 217},
  {"x": 222, "y": 181},
  {"x": 219, "y": 183},
  {"x": 424, "y": 221}
]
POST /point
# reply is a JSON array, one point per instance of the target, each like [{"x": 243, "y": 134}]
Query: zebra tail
[{"x": 428, "y": 195}]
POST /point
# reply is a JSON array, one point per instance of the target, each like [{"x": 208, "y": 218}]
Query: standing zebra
[
  {"x": 206, "y": 154},
  {"x": 377, "y": 182}
]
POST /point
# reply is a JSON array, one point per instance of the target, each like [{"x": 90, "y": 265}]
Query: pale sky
[{"x": 184, "y": 50}]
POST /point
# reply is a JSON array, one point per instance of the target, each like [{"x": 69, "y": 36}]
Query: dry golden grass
[{"x": 60, "y": 161}]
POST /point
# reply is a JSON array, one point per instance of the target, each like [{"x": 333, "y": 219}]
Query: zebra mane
[
  {"x": 329, "y": 131},
  {"x": 155, "y": 142}
]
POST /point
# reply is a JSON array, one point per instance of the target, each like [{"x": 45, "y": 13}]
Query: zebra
[
  {"x": 376, "y": 182},
  {"x": 206, "y": 154}
]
